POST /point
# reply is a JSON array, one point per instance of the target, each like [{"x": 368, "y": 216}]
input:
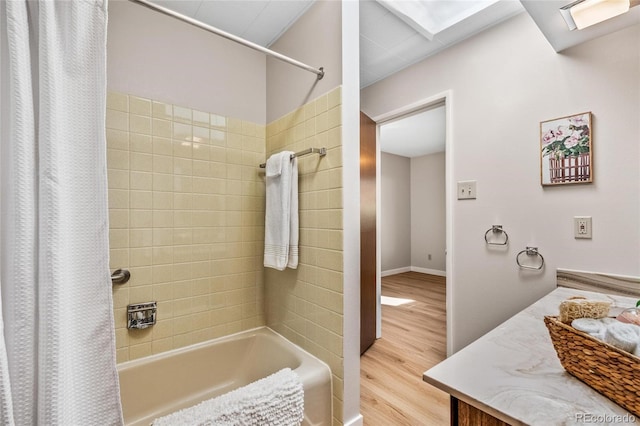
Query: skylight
[{"x": 429, "y": 17}]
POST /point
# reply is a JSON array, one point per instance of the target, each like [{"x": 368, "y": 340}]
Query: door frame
[{"x": 425, "y": 103}]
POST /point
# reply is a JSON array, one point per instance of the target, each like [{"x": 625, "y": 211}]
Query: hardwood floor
[{"x": 413, "y": 340}]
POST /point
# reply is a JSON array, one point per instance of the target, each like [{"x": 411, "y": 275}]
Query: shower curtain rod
[{"x": 318, "y": 71}]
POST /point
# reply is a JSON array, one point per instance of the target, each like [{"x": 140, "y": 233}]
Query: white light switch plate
[
  {"x": 467, "y": 190},
  {"x": 582, "y": 227}
]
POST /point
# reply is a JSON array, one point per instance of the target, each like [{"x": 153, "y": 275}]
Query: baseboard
[
  {"x": 428, "y": 271},
  {"x": 356, "y": 421},
  {"x": 413, "y": 269},
  {"x": 395, "y": 271}
]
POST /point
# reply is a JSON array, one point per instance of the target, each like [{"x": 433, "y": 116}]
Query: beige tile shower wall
[
  {"x": 186, "y": 204},
  {"x": 305, "y": 305}
]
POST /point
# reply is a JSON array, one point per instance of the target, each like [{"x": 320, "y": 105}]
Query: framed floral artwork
[{"x": 566, "y": 154}]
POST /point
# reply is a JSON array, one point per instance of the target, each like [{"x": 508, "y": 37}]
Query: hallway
[{"x": 413, "y": 340}]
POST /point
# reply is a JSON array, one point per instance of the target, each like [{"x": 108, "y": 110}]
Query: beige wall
[
  {"x": 306, "y": 305},
  {"x": 314, "y": 39},
  {"x": 428, "y": 212},
  {"x": 186, "y": 206},
  {"x": 159, "y": 57},
  {"x": 503, "y": 82},
  {"x": 395, "y": 212}
]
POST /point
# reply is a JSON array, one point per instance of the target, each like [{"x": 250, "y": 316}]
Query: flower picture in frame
[{"x": 566, "y": 154}]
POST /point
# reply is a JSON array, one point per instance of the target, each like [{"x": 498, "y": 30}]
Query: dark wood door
[{"x": 367, "y": 232}]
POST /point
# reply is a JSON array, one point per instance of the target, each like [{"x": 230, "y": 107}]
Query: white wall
[
  {"x": 428, "y": 219},
  {"x": 395, "y": 211},
  {"x": 350, "y": 66},
  {"x": 315, "y": 40},
  {"x": 158, "y": 57},
  {"x": 503, "y": 83},
  {"x": 412, "y": 212}
]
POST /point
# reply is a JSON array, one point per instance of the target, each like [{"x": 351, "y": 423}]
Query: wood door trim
[{"x": 368, "y": 253}]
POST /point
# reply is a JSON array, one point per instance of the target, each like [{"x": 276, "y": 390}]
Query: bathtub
[{"x": 158, "y": 385}]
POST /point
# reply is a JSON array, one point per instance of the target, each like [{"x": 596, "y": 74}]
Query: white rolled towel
[
  {"x": 622, "y": 336},
  {"x": 592, "y": 326}
]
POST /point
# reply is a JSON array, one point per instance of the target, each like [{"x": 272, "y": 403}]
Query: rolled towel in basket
[
  {"x": 591, "y": 326},
  {"x": 622, "y": 336},
  {"x": 277, "y": 400}
]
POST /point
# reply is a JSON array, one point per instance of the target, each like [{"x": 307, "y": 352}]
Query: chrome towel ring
[
  {"x": 530, "y": 251},
  {"x": 496, "y": 229}
]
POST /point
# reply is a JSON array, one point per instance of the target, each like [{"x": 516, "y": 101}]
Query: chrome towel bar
[{"x": 320, "y": 151}]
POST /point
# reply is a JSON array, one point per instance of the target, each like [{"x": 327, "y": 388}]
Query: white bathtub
[{"x": 158, "y": 385}]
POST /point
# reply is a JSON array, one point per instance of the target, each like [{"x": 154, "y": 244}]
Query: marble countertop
[{"x": 513, "y": 372}]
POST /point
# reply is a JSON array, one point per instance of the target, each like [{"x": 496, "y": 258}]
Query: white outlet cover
[{"x": 582, "y": 227}]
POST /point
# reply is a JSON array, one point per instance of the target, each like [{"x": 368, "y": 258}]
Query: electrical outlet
[
  {"x": 582, "y": 227},
  {"x": 467, "y": 190},
  {"x": 429, "y": 257}
]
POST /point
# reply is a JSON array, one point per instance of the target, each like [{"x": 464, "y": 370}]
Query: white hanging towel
[
  {"x": 294, "y": 224},
  {"x": 281, "y": 216}
]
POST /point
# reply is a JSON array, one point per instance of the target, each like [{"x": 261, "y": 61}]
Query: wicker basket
[{"x": 612, "y": 372}]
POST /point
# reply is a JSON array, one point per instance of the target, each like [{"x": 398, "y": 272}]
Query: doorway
[
  {"x": 444, "y": 100},
  {"x": 413, "y": 221},
  {"x": 408, "y": 344}
]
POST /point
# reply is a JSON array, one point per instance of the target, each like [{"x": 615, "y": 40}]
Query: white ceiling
[
  {"x": 388, "y": 44},
  {"x": 416, "y": 135},
  {"x": 259, "y": 21}
]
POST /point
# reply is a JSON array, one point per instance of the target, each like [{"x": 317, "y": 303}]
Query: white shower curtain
[{"x": 57, "y": 351}]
